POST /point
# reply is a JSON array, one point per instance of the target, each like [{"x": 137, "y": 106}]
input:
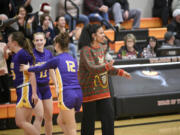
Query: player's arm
[
  {"x": 33, "y": 85},
  {"x": 50, "y": 64}
]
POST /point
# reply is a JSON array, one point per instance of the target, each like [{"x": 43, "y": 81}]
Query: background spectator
[
  {"x": 97, "y": 11},
  {"x": 72, "y": 21},
  {"x": 162, "y": 9},
  {"x": 151, "y": 49},
  {"x": 174, "y": 26},
  {"x": 44, "y": 27},
  {"x": 121, "y": 12},
  {"x": 61, "y": 28},
  {"x": 128, "y": 51},
  {"x": 169, "y": 40},
  {"x": 24, "y": 24},
  {"x": 45, "y": 9}
]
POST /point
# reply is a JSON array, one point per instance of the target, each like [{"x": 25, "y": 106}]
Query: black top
[
  {"x": 124, "y": 3},
  {"x": 175, "y": 28},
  {"x": 4, "y": 7}
]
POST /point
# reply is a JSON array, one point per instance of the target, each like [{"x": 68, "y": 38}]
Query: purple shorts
[
  {"x": 24, "y": 97},
  {"x": 70, "y": 98},
  {"x": 44, "y": 92}
]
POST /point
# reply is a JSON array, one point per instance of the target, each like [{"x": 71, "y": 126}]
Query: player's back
[{"x": 66, "y": 71}]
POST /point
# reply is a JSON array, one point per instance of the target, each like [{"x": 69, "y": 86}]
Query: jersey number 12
[{"x": 70, "y": 66}]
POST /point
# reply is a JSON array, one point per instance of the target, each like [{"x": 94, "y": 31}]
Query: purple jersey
[
  {"x": 66, "y": 69},
  {"x": 70, "y": 94},
  {"x": 21, "y": 79},
  {"x": 41, "y": 58},
  {"x": 21, "y": 57}
]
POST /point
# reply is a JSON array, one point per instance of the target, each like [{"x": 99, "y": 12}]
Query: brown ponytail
[
  {"x": 24, "y": 43},
  {"x": 29, "y": 49}
]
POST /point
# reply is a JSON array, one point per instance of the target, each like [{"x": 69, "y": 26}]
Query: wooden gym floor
[{"x": 156, "y": 125}]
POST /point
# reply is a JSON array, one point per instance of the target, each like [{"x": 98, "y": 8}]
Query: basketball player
[
  {"x": 42, "y": 78},
  {"x": 25, "y": 84},
  {"x": 70, "y": 94}
]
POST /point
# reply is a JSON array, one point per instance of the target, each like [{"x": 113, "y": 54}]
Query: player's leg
[
  {"x": 21, "y": 117},
  {"x": 48, "y": 113}
]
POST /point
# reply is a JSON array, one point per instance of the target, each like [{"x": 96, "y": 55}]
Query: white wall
[{"x": 144, "y": 5}]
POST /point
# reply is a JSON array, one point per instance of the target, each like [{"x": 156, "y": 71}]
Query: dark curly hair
[{"x": 86, "y": 35}]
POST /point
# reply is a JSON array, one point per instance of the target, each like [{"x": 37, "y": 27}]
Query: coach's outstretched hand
[{"x": 126, "y": 75}]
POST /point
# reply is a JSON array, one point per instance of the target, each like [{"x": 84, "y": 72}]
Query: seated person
[
  {"x": 174, "y": 26},
  {"x": 60, "y": 28},
  {"x": 73, "y": 12},
  {"x": 151, "y": 49},
  {"x": 162, "y": 9},
  {"x": 128, "y": 51},
  {"x": 121, "y": 12},
  {"x": 169, "y": 40},
  {"x": 44, "y": 9},
  {"x": 25, "y": 23},
  {"x": 97, "y": 11}
]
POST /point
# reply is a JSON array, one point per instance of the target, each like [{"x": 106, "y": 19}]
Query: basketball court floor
[{"x": 155, "y": 125}]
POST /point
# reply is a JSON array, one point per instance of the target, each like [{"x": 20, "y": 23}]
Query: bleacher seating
[
  {"x": 140, "y": 34},
  {"x": 148, "y": 27},
  {"x": 153, "y": 22}
]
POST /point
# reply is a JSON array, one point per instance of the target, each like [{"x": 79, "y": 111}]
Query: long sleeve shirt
[
  {"x": 93, "y": 75},
  {"x": 66, "y": 71}
]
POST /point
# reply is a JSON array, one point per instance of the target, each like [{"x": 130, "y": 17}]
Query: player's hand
[
  {"x": 126, "y": 14},
  {"x": 35, "y": 98},
  {"x": 24, "y": 67}
]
